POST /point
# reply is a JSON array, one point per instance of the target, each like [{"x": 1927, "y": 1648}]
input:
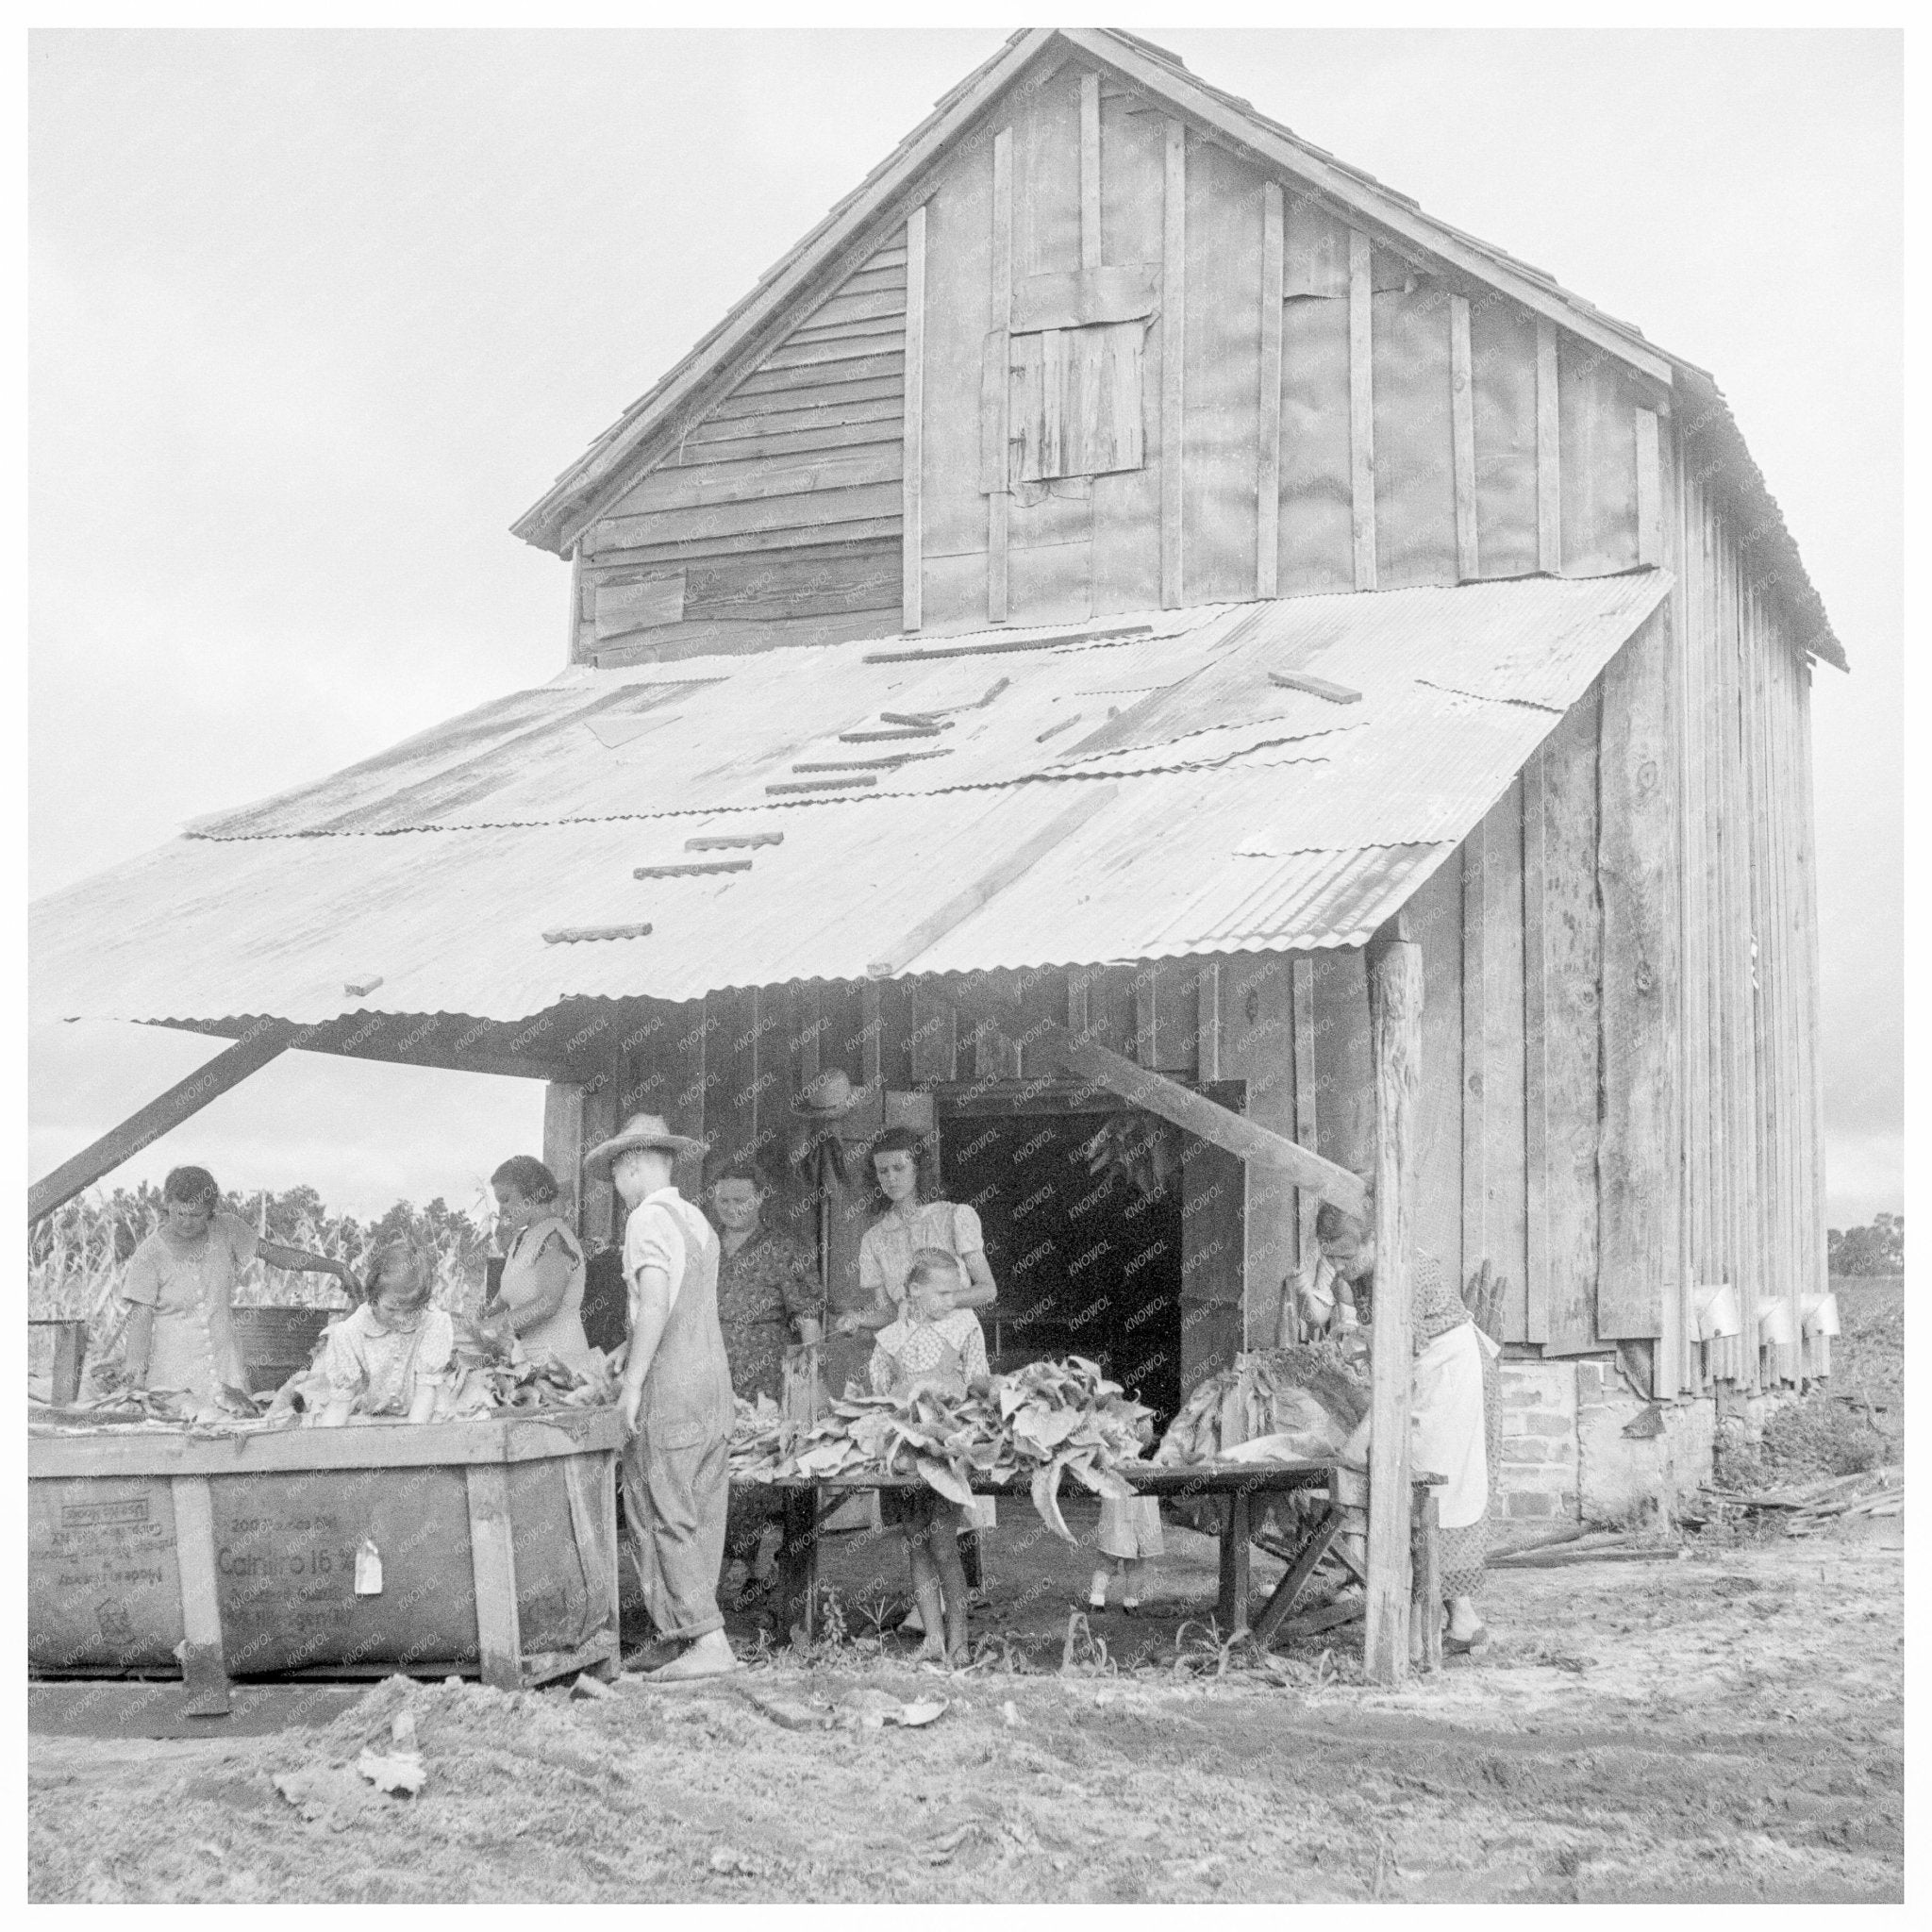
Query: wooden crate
[
  {"x": 55, "y": 1352},
  {"x": 234, "y": 1555}
]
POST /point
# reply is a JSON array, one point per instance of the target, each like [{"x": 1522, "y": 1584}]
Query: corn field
[{"x": 76, "y": 1258}]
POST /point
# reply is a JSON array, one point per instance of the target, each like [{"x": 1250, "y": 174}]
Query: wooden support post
[
  {"x": 1173, "y": 304},
  {"x": 1237, "y": 1559},
  {"x": 1361, "y": 405},
  {"x": 494, "y": 1568},
  {"x": 1427, "y": 1563},
  {"x": 597, "y": 1102},
  {"x": 564, "y": 1143},
  {"x": 594, "y": 1538},
  {"x": 262, "y": 1043},
  {"x": 1462, "y": 438},
  {"x": 912, "y": 519},
  {"x": 1268, "y": 474},
  {"x": 203, "y": 1662},
  {"x": 871, "y": 1038},
  {"x": 1395, "y": 1022},
  {"x": 996, "y": 385},
  {"x": 1549, "y": 474},
  {"x": 1207, "y": 1025}
]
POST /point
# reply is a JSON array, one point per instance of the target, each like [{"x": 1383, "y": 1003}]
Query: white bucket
[
  {"x": 1717, "y": 1312},
  {"x": 1819, "y": 1313},
  {"x": 1776, "y": 1326}
]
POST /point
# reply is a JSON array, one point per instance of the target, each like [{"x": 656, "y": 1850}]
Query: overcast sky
[{"x": 315, "y": 315}]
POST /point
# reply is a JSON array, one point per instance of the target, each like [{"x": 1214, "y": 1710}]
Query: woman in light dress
[
  {"x": 542, "y": 1284},
  {"x": 179, "y": 1288}
]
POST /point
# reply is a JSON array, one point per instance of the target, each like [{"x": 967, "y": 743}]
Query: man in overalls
[{"x": 676, "y": 1399}]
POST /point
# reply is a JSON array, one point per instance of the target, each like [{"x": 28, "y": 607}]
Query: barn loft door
[{"x": 1213, "y": 1242}]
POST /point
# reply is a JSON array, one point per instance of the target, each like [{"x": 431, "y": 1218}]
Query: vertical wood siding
[
  {"x": 1751, "y": 1114},
  {"x": 1408, "y": 434}
]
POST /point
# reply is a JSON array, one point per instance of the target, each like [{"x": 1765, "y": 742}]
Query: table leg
[
  {"x": 1288, "y": 1591},
  {"x": 798, "y": 1563},
  {"x": 1235, "y": 1557},
  {"x": 1426, "y": 1565},
  {"x": 970, "y": 1559}
]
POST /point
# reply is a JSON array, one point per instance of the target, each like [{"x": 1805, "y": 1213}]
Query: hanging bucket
[
  {"x": 1717, "y": 1312},
  {"x": 1820, "y": 1314},
  {"x": 1776, "y": 1326}
]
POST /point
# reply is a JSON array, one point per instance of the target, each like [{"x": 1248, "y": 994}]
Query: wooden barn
[{"x": 1129, "y": 619}]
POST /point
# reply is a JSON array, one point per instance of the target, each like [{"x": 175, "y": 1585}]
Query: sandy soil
[{"x": 1724, "y": 1727}]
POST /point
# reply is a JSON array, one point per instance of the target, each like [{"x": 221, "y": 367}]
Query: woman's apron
[{"x": 1446, "y": 1435}]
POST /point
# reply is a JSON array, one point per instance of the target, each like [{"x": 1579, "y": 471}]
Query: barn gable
[{"x": 1098, "y": 338}]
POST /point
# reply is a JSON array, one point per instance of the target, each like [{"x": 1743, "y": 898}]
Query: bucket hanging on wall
[{"x": 1717, "y": 1312}]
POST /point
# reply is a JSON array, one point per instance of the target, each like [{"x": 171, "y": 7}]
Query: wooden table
[{"x": 1236, "y": 1484}]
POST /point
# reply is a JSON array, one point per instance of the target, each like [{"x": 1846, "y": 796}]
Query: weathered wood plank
[
  {"x": 1173, "y": 276},
  {"x": 1475, "y": 1032},
  {"x": 850, "y": 305},
  {"x": 493, "y": 1567},
  {"x": 840, "y": 379},
  {"x": 1501, "y": 1059},
  {"x": 1268, "y": 474},
  {"x": 1636, "y": 1160},
  {"x": 995, "y": 388},
  {"x": 822, "y": 511},
  {"x": 710, "y": 636},
  {"x": 805, "y": 543},
  {"x": 1395, "y": 1005},
  {"x": 812, "y": 437},
  {"x": 823, "y": 402},
  {"x": 934, "y": 1040},
  {"x": 1089, "y": 170},
  {"x": 840, "y": 359},
  {"x": 263, "y": 1042},
  {"x": 1650, "y": 532},
  {"x": 1573, "y": 960},
  {"x": 1549, "y": 474},
  {"x": 1462, "y": 438},
  {"x": 1362, "y": 406},
  {"x": 563, "y": 1140},
  {"x": 1207, "y": 1023},
  {"x": 619, "y": 608},
  {"x": 688, "y": 486},
  {"x": 912, "y": 457},
  {"x": 859, "y": 577},
  {"x": 1536, "y": 1031},
  {"x": 204, "y": 1660},
  {"x": 879, "y": 330},
  {"x": 1306, "y": 1130}
]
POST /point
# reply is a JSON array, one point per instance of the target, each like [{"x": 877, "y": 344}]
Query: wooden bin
[
  {"x": 494, "y": 1552},
  {"x": 55, "y": 1352}
]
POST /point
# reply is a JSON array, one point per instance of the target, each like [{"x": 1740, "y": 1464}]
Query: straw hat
[
  {"x": 828, "y": 1097},
  {"x": 642, "y": 1132}
]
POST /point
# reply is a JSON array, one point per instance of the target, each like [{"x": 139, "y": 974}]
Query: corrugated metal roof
[{"x": 1241, "y": 814}]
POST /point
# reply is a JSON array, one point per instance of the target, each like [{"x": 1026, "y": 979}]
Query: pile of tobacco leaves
[{"x": 1036, "y": 1425}]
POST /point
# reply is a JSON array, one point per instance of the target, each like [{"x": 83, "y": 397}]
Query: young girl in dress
[
  {"x": 391, "y": 1357},
  {"x": 930, "y": 1345},
  {"x": 1129, "y": 1535}
]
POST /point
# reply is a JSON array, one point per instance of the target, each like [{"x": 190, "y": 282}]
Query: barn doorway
[{"x": 1082, "y": 1202}]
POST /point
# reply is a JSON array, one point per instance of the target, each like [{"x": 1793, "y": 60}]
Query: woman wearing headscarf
[{"x": 1457, "y": 1421}]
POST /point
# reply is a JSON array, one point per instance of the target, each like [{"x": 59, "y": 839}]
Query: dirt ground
[{"x": 1726, "y": 1725}]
